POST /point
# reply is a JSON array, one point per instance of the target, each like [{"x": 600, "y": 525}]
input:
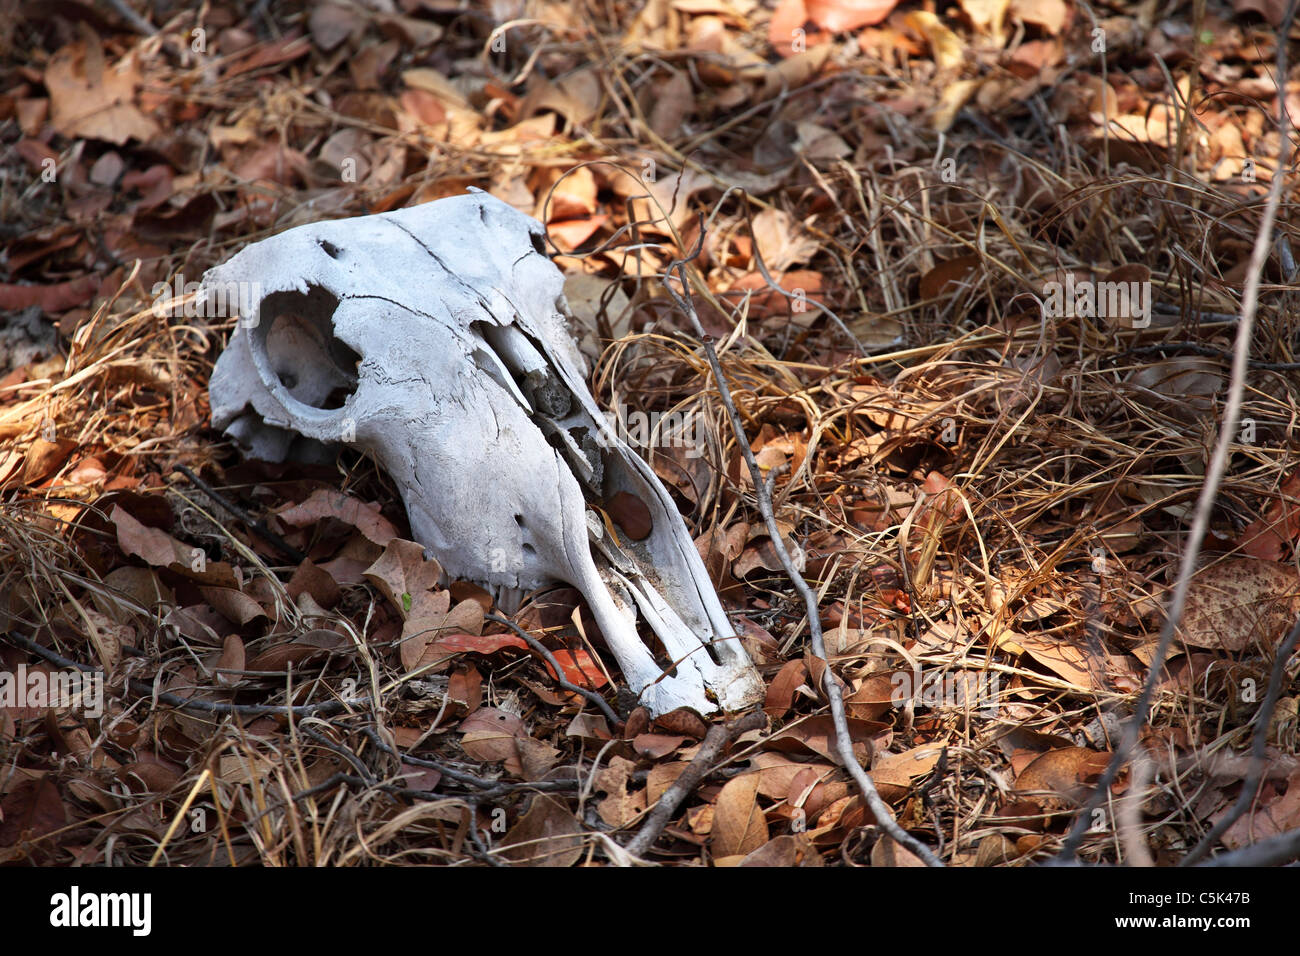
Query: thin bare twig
[{"x": 763, "y": 496}]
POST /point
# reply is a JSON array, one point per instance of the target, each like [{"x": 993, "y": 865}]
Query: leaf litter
[{"x": 991, "y": 506}]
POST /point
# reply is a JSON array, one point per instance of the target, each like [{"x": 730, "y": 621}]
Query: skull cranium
[{"x": 435, "y": 338}]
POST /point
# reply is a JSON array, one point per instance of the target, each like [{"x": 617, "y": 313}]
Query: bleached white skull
[{"x": 435, "y": 338}]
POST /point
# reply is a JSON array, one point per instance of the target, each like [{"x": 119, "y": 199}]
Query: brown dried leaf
[
  {"x": 817, "y": 735},
  {"x": 1235, "y": 603},
  {"x": 309, "y": 578},
  {"x": 781, "y": 691},
  {"x": 945, "y": 46},
  {"x": 1067, "y": 773},
  {"x": 661, "y": 777},
  {"x": 902, "y": 768},
  {"x": 1270, "y": 535},
  {"x": 434, "y": 629},
  {"x": 31, "y": 810},
  {"x": 1279, "y": 815},
  {"x": 875, "y": 696},
  {"x": 840, "y": 16},
  {"x": 491, "y": 718},
  {"x": 788, "y": 850},
  {"x": 777, "y": 774},
  {"x": 619, "y": 808},
  {"x": 959, "y": 273},
  {"x": 331, "y": 23},
  {"x": 781, "y": 242},
  {"x": 45, "y": 458},
  {"x": 547, "y": 835},
  {"x": 95, "y": 100},
  {"x": 573, "y": 196},
  {"x": 739, "y": 826},
  {"x": 162, "y": 550},
  {"x": 232, "y": 659},
  {"x": 682, "y": 721},
  {"x": 489, "y": 745},
  {"x": 403, "y": 575},
  {"x": 888, "y": 853},
  {"x": 234, "y": 605},
  {"x": 328, "y": 503},
  {"x": 655, "y": 746},
  {"x": 1051, "y": 15},
  {"x": 674, "y": 101},
  {"x": 631, "y": 514}
]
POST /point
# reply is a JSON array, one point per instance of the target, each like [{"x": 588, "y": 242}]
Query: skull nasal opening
[{"x": 296, "y": 336}]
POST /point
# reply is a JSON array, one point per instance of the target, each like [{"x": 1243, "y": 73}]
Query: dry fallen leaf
[
  {"x": 547, "y": 835},
  {"x": 739, "y": 826},
  {"x": 231, "y": 659},
  {"x": 673, "y": 102},
  {"x": 327, "y": 503},
  {"x": 945, "y": 46},
  {"x": 436, "y": 630},
  {"x": 790, "y": 849},
  {"x": 781, "y": 242},
  {"x": 1235, "y": 603},
  {"x": 888, "y": 853},
  {"x": 161, "y": 550},
  {"x": 1278, "y": 529},
  {"x": 1051, "y": 15},
  {"x": 655, "y": 746},
  {"x": 840, "y": 16},
  {"x": 619, "y": 808},
  {"x": 781, "y": 688},
  {"x": 901, "y": 769},
  {"x": 579, "y": 668},
  {"x": 1267, "y": 818},
  {"x": 987, "y": 16},
  {"x": 817, "y": 735},
  {"x": 1065, "y": 774},
  {"x": 94, "y": 99}
]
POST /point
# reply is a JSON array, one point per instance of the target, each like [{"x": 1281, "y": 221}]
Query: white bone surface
[{"x": 444, "y": 327}]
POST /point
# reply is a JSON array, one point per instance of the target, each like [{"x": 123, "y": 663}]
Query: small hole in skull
[
  {"x": 539, "y": 244},
  {"x": 519, "y": 520},
  {"x": 331, "y": 250}
]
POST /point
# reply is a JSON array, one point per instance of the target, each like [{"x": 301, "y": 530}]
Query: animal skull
[{"x": 435, "y": 338}]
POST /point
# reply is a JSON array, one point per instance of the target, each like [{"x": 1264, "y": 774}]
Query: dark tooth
[
  {"x": 548, "y": 394},
  {"x": 590, "y": 451}
]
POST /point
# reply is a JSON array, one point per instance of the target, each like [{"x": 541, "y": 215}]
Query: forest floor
[{"x": 975, "y": 275}]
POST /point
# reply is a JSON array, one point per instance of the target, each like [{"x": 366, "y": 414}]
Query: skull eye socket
[
  {"x": 296, "y": 338},
  {"x": 539, "y": 243}
]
